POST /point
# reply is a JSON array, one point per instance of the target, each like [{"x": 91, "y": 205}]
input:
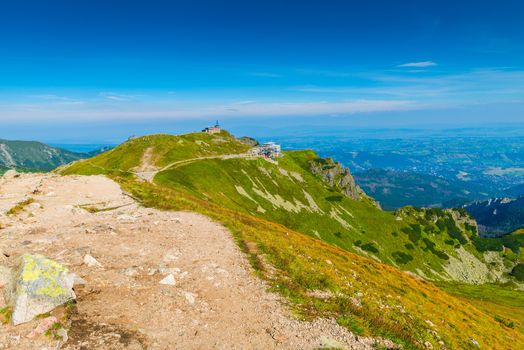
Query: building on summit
[{"x": 213, "y": 129}]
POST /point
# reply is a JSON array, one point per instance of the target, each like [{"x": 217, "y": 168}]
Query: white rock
[
  {"x": 190, "y": 297},
  {"x": 126, "y": 218},
  {"x": 91, "y": 262},
  {"x": 130, "y": 271},
  {"x": 169, "y": 280},
  {"x": 75, "y": 279},
  {"x": 34, "y": 206}
]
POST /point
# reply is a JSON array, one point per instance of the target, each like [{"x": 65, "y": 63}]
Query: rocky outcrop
[
  {"x": 339, "y": 177},
  {"x": 248, "y": 141},
  {"x": 38, "y": 286}
]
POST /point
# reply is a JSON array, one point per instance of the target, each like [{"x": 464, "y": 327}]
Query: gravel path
[{"x": 212, "y": 301}]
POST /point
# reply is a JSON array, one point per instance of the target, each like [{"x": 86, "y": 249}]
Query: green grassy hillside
[
  {"x": 26, "y": 156},
  {"x": 161, "y": 150},
  {"x": 314, "y": 244},
  {"x": 436, "y": 244}
]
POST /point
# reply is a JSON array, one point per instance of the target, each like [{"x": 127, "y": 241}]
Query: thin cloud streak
[
  {"x": 235, "y": 109},
  {"x": 422, "y": 64}
]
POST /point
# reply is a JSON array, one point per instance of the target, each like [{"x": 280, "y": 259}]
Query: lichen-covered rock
[{"x": 38, "y": 286}]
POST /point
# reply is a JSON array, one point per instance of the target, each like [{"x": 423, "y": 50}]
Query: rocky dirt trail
[{"x": 209, "y": 298}]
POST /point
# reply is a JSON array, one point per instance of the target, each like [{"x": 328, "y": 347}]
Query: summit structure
[{"x": 213, "y": 129}]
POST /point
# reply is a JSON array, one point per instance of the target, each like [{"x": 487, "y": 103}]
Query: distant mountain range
[
  {"x": 498, "y": 216},
  {"x": 495, "y": 215},
  {"x": 36, "y": 156},
  {"x": 395, "y": 189}
]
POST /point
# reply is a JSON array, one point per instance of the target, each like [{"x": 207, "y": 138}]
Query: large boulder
[{"x": 38, "y": 286}]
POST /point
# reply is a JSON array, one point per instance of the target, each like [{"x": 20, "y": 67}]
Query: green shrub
[
  {"x": 401, "y": 257},
  {"x": 431, "y": 247},
  {"x": 370, "y": 247},
  {"x": 518, "y": 272},
  {"x": 334, "y": 198}
]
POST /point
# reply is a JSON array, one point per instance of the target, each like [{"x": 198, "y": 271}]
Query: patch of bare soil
[{"x": 209, "y": 298}]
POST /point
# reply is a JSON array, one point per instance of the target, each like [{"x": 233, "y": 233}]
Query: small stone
[
  {"x": 169, "y": 280},
  {"x": 34, "y": 206},
  {"x": 329, "y": 343},
  {"x": 126, "y": 218},
  {"x": 130, "y": 271},
  {"x": 91, "y": 262},
  {"x": 190, "y": 298},
  {"x": 428, "y": 345},
  {"x": 76, "y": 280},
  {"x": 429, "y": 323}
]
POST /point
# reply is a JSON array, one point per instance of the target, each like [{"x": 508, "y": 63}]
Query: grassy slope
[
  {"x": 165, "y": 149},
  {"x": 504, "y": 303},
  {"x": 305, "y": 204},
  {"x": 31, "y": 156},
  {"x": 424, "y": 241},
  {"x": 368, "y": 297},
  {"x": 393, "y": 303}
]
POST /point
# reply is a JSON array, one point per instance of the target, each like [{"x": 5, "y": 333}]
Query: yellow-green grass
[
  {"x": 503, "y": 302},
  {"x": 19, "y": 207},
  {"x": 392, "y": 303}
]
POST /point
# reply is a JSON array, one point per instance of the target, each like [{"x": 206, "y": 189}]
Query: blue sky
[{"x": 89, "y": 70}]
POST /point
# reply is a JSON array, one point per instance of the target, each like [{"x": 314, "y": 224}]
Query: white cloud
[
  {"x": 116, "y": 97},
  {"x": 418, "y": 64},
  {"x": 57, "y": 99}
]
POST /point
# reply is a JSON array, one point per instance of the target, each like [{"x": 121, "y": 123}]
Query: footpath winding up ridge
[
  {"x": 148, "y": 172},
  {"x": 209, "y": 300}
]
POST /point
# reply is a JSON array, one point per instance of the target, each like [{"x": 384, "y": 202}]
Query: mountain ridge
[
  {"x": 30, "y": 156},
  {"x": 266, "y": 203}
]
